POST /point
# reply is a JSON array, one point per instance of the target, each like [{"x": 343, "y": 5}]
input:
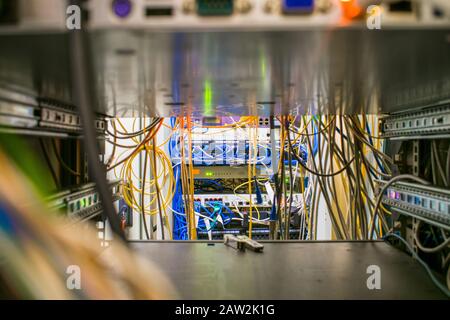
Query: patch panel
[
  {"x": 430, "y": 121},
  {"x": 17, "y": 96},
  {"x": 20, "y": 110},
  {"x": 427, "y": 203},
  {"x": 224, "y": 152},
  {"x": 57, "y": 118},
  {"x": 60, "y": 116},
  {"x": 17, "y": 122},
  {"x": 17, "y": 109}
]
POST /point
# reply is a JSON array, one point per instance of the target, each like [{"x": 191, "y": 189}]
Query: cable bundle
[
  {"x": 344, "y": 159},
  {"x": 337, "y": 158},
  {"x": 155, "y": 162}
]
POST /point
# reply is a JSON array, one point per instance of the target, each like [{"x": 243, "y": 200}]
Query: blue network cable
[
  {"x": 371, "y": 142},
  {"x": 218, "y": 210},
  {"x": 7, "y": 223},
  {"x": 315, "y": 141},
  {"x": 179, "y": 221}
]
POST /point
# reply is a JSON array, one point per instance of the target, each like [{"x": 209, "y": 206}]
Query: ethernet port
[{"x": 215, "y": 7}]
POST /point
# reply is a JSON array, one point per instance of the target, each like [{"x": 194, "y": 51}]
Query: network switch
[
  {"x": 56, "y": 115},
  {"x": 82, "y": 202},
  {"x": 224, "y": 172}
]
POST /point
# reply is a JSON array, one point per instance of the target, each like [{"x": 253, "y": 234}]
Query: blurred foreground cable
[
  {"x": 83, "y": 98},
  {"x": 41, "y": 253}
]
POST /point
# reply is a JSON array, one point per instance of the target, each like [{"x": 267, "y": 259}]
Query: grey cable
[
  {"x": 433, "y": 167},
  {"x": 424, "y": 265},
  {"x": 437, "y": 248},
  {"x": 438, "y": 162},
  {"x": 447, "y": 164}
]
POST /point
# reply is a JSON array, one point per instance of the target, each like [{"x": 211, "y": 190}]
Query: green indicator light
[
  {"x": 209, "y": 174},
  {"x": 207, "y": 98},
  {"x": 263, "y": 65}
]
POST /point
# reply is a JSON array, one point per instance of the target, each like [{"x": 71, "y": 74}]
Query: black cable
[
  {"x": 113, "y": 153},
  {"x": 49, "y": 163},
  {"x": 447, "y": 164},
  {"x": 433, "y": 166},
  {"x": 438, "y": 163},
  {"x": 324, "y": 175},
  {"x": 296, "y": 131},
  {"x": 61, "y": 162},
  {"x": 83, "y": 97},
  {"x": 376, "y": 155},
  {"x": 360, "y": 137}
]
